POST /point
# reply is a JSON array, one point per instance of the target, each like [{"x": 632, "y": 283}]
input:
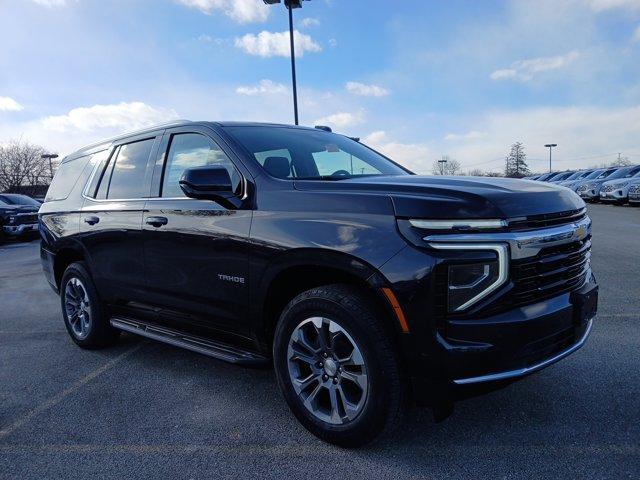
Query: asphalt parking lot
[{"x": 148, "y": 410}]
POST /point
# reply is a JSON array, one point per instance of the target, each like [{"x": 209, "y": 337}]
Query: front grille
[
  {"x": 548, "y": 220},
  {"x": 25, "y": 218},
  {"x": 555, "y": 270},
  {"x": 608, "y": 188}
]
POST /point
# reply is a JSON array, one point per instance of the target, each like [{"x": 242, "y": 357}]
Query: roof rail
[{"x": 323, "y": 127}]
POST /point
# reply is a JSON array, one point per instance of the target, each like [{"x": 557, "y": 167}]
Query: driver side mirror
[{"x": 209, "y": 183}]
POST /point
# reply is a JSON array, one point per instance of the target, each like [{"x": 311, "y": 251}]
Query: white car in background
[{"x": 617, "y": 191}]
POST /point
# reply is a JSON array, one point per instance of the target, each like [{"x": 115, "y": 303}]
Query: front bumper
[
  {"x": 617, "y": 195},
  {"x": 590, "y": 194},
  {"x": 19, "y": 230}
]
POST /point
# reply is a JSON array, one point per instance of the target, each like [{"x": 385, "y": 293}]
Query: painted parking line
[{"x": 57, "y": 398}]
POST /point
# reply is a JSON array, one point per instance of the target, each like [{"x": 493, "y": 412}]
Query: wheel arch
[{"x": 301, "y": 270}]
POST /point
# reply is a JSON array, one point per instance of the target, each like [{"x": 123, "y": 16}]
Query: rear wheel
[
  {"x": 83, "y": 312},
  {"x": 337, "y": 367}
]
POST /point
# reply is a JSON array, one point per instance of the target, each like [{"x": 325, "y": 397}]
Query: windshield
[
  {"x": 577, "y": 175},
  {"x": 16, "y": 199},
  {"x": 624, "y": 173},
  {"x": 562, "y": 176},
  {"x": 603, "y": 174},
  {"x": 290, "y": 153}
]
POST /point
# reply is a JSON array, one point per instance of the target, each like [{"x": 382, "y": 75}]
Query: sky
[{"x": 415, "y": 79}]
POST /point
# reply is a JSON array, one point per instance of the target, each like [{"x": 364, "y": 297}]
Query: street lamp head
[
  {"x": 287, "y": 3},
  {"x": 49, "y": 155},
  {"x": 549, "y": 145}
]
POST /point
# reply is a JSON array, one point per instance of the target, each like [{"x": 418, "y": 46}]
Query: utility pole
[{"x": 550, "y": 146}]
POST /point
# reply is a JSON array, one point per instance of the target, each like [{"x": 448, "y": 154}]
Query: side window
[
  {"x": 66, "y": 177},
  {"x": 129, "y": 171},
  {"x": 188, "y": 150}
]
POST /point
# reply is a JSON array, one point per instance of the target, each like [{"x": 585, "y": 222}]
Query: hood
[{"x": 460, "y": 197}]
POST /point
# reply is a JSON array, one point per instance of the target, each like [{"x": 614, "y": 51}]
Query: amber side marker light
[{"x": 397, "y": 309}]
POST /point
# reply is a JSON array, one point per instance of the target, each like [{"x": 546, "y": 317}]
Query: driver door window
[{"x": 188, "y": 150}]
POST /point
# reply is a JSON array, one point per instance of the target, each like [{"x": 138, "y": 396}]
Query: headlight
[
  {"x": 620, "y": 185},
  {"x": 469, "y": 283}
]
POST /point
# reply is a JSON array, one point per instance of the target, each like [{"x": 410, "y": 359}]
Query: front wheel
[{"x": 337, "y": 366}]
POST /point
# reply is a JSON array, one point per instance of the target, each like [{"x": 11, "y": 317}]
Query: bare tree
[
  {"x": 21, "y": 163},
  {"x": 446, "y": 166},
  {"x": 516, "y": 162},
  {"x": 476, "y": 172},
  {"x": 621, "y": 161}
]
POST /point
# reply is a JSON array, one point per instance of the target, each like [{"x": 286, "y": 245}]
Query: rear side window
[
  {"x": 190, "y": 150},
  {"x": 65, "y": 178},
  {"x": 128, "y": 175}
]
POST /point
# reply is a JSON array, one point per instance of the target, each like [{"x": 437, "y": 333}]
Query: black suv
[
  {"x": 18, "y": 216},
  {"x": 363, "y": 284}
]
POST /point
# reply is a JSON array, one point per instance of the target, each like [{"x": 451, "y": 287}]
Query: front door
[{"x": 196, "y": 251}]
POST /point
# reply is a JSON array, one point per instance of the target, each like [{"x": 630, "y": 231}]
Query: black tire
[
  {"x": 354, "y": 312},
  {"x": 97, "y": 332}
]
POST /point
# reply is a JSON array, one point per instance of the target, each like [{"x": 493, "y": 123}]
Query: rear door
[
  {"x": 111, "y": 222},
  {"x": 196, "y": 251}
]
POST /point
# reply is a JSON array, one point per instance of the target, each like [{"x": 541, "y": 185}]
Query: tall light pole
[
  {"x": 442, "y": 163},
  {"x": 50, "y": 157},
  {"x": 550, "y": 146},
  {"x": 290, "y": 5}
]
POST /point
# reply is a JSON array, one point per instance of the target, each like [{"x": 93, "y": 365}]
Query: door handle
[
  {"x": 156, "y": 221},
  {"x": 91, "y": 220}
]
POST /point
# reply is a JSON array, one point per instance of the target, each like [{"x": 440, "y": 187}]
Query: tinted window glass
[
  {"x": 190, "y": 150},
  {"x": 68, "y": 175},
  {"x": 129, "y": 170},
  {"x": 311, "y": 154}
]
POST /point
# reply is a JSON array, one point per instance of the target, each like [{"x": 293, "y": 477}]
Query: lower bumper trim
[{"x": 521, "y": 372}]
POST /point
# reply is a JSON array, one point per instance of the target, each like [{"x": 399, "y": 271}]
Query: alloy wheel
[
  {"x": 77, "y": 307},
  {"x": 327, "y": 370}
]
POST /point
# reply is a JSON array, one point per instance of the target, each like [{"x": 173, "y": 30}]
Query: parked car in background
[
  {"x": 18, "y": 216},
  {"x": 360, "y": 282},
  {"x": 589, "y": 188},
  {"x": 617, "y": 190},
  {"x": 634, "y": 194},
  {"x": 569, "y": 182},
  {"x": 545, "y": 176},
  {"x": 590, "y": 191},
  {"x": 561, "y": 176}
]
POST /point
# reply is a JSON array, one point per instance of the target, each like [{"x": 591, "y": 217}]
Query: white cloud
[
  {"x": 417, "y": 157},
  {"x": 309, "y": 22},
  {"x": 341, "y": 119},
  {"x": 636, "y": 34},
  {"x": 241, "y": 11},
  {"x": 121, "y": 117},
  {"x": 51, "y": 3},
  {"x": 583, "y": 135},
  {"x": 333, "y": 42},
  {"x": 276, "y": 44},
  {"x": 265, "y": 86},
  {"x": 601, "y": 5},
  {"x": 471, "y": 135},
  {"x": 366, "y": 90},
  {"x": 8, "y": 104},
  {"x": 526, "y": 69}
]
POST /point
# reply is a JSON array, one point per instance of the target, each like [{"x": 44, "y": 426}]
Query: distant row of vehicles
[
  {"x": 617, "y": 185},
  {"x": 18, "y": 216}
]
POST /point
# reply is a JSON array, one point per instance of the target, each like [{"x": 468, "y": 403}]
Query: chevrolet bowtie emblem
[{"x": 580, "y": 232}]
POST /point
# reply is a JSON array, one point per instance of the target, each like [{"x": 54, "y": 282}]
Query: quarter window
[{"x": 190, "y": 150}]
